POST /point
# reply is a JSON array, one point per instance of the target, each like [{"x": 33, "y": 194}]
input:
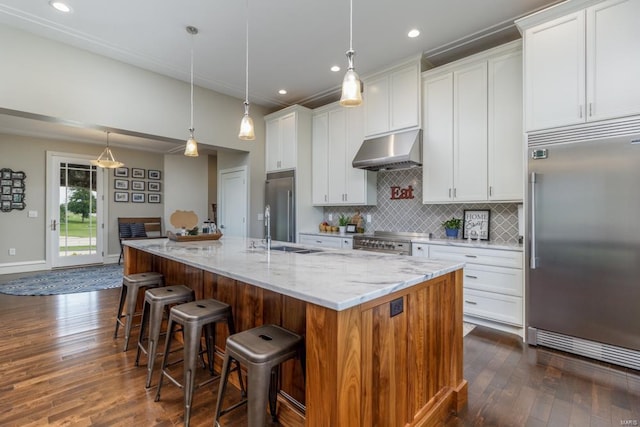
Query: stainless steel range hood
[{"x": 401, "y": 150}]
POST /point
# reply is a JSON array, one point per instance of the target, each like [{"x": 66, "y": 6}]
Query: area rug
[
  {"x": 467, "y": 327},
  {"x": 67, "y": 281}
]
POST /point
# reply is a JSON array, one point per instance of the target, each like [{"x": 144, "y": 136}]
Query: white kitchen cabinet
[
  {"x": 581, "y": 66},
  {"x": 337, "y": 135},
  {"x": 493, "y": 283},
  {"x": 283, "y": 137},
  {"x": 338, "y": 242},
  {"x": 473, "y": 144},
  {"x": 392, "y": 100}
]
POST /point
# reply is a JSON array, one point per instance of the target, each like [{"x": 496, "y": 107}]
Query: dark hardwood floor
[{"x": 59, "y": 365}]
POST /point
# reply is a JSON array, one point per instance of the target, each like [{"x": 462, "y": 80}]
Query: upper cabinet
[
  {"x": 473, "y": 141},
  {"x": 581, "y": 64},
  {"x": 284, "y": 135},
  {"x": 392, "y": 100},
  {"x": 337, "y": 133}
]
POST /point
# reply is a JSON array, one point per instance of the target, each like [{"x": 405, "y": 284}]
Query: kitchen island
[{"x": 383, "y": 333}]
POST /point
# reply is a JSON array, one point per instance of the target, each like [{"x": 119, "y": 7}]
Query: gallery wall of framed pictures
[
  {"x": 137, "y": 185},
  {"x": 12, "y": 190}
]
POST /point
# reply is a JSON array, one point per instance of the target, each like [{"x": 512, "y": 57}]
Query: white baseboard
[
  {"x": 517, "y": 330},
  {"x": 23, "y": 267}
]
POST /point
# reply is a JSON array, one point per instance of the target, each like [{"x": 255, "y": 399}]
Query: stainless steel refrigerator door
[
  {"x": 279, "y": 194},
  {"x": 584, "y": 273}
]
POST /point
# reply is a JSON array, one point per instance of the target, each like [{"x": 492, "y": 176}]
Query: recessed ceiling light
[
  {"x": 60, "y": 6},
  {"x": 282, "y": 92},
  {"x": 413, "y": 33},
  {"x": 335, "y": 68}
]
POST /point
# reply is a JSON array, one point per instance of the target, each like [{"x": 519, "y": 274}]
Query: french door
[{"x": 75, "y": 211}]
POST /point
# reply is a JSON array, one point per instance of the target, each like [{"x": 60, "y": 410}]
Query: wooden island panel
[{"x": 363, "y": 367}]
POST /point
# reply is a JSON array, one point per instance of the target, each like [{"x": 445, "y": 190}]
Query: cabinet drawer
[
  {"x": 495, "y": 257},
  {"x": 493, "y": 279},
  {"x": 327, "y": 242},
  {"x": 347, "y": 243},
  {"x": 497, "y": 307}
]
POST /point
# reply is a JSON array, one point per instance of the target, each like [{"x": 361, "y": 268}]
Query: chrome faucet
[{"x": 267, "y": 224}]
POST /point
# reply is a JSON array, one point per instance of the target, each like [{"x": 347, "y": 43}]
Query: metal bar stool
[
  {"x": 262, "y": 350},
  {"x": 131, "y": 284},
  {"x": 156, "y": 302},
  {"x": 194, "y": 317}
]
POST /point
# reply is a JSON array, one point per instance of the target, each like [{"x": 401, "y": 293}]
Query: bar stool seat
[
  {"x": 131, "y": 284},
  {"x": 262, "y": 350},
  {"x": 195, "y": 317},
  {"x": 156, "y": 302}
]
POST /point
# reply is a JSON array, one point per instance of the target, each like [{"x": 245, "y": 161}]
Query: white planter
[{"x": 342, "y": 228}]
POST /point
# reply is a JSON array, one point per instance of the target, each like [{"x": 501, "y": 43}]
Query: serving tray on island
[{"x": 197, "y": 237}]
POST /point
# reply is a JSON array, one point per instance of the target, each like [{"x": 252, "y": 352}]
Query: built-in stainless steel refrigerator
[
  {"x": 280, "y": 196},
  {"x": 584, "y": 242}
]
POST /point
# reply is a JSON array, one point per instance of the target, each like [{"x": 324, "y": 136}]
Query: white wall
[{"x": 186, "y": 188}]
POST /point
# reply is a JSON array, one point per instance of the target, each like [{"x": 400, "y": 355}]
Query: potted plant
[
  {"x": 342, "y": 223},
  {"x": 452, "y": 227}
]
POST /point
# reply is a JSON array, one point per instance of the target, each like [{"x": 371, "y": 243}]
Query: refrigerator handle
[
  {"x": 532, "y": 262},
  {"x": 289, "y": 216}
]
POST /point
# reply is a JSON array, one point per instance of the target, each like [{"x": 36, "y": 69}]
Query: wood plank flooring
[{"x": 59, "y": 365}]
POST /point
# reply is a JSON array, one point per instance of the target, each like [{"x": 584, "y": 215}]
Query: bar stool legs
[
  {"x": 156, "y": 302},
  {"x": 195, "y": 318},
  {"x": 129, "y": 297},
  {"x": 262, "y": 350}
]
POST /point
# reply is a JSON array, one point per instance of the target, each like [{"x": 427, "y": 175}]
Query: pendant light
[
  {"x": 351, "y": 86},
  {"x": 191, "y": 149},
  {"x": 106, "y": 159},
  {"x": 246, "y": 124}
]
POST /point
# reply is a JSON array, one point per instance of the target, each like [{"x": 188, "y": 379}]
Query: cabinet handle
[
  {"x": 318, "y": 241},
  {"x": 471, "y": 256},
  {"x": 346, "y": 197},
  {"x": 591, "y": 109},
  {"x": 449, "y": 193},
  {"x": 470, "y": 302},
  {"x": 470, "y": 276},
  {"x": 325, "y": 197},
  {"x": 490, "y": 191},
  {"x": 455, "y": 192},
  {"x": 419, "y": 248}
]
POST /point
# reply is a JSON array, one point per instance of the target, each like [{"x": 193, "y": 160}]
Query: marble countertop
[
  {"x": 333, "y": 278},
  {"x": 330, "y": 234},
  {"x": 471, "y": 244}
]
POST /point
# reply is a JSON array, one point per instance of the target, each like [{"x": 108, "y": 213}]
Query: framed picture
[
  {"x": 153, "y": 186},
  {"x": 121, "y": 184},
  {"x": 137, "y": 185},
  {"x": 6, "y": 206},
  {"x": 137, "y": 173},
  {"x": 351, "y": 228},
  {"x": 6, "y": 174},
  {"x": 154, "y": 198},
  {"x": 120, "y": 196},
  {"x": 154, "y": 174},
  {"x": 137, "y": 197},
  {"x": 122, "y": 172},
  {"x": 476, "y": 224}
]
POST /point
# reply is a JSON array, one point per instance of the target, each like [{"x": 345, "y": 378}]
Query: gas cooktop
[{"x": 387, "y": 241}]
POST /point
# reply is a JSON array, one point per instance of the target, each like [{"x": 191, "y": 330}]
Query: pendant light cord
[
  {"x": 191, "y": 128},
  {"x": 246, "y": 84},
  {"x": 350, "y": 24}
]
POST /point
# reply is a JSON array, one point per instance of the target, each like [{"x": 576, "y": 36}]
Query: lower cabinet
[
  {"x": 493, "y": 283},
  {"x": 339, "y": 242}
]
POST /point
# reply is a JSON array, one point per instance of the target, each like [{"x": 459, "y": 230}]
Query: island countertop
[{"x": 332, "y": 278}]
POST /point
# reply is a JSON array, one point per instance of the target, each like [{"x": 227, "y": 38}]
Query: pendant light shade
[
  {"x": 191, "y": 149},
  {"x": 351, "y": 85},
  {"x": 106, "y": 159},
  {"x": 246, "y": 124}
]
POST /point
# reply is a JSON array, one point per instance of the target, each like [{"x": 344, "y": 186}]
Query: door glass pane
[{"x": 78, "y": 194}]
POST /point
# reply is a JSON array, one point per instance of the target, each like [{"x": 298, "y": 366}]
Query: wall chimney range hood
[{"x": 402, "y": 150}]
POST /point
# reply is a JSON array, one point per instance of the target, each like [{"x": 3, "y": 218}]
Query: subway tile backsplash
[{"x": 412, "y": 216}]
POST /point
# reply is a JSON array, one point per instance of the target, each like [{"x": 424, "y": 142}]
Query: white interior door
[
  {"x": 75, "y": 211},
  {"x": 232, "y": 204}
]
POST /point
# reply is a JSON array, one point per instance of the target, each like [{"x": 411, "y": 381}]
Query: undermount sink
[{"x": 294, "y": 249}]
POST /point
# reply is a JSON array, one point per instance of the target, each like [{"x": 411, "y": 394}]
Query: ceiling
[{"x": 292, "y": 43}]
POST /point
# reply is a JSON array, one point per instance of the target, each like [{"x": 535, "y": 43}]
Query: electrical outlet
[
  {"x": 396, "y": 307},
  {"x": 33, "y": 214},
  {"x": 12, "y": 251},
  {"x": 330, "y": 217},
  {"x": 368, "y": 218}
]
